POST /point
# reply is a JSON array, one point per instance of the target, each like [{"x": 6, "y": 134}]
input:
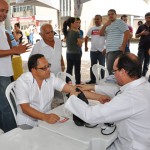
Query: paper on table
[{"x": 63, "y": 119}]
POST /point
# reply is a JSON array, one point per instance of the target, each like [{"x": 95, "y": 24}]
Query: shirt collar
[
  {"x": 133, "y": 84},
  {"x": 44, "y": 44},
  {"x": 2, "y": 27}
]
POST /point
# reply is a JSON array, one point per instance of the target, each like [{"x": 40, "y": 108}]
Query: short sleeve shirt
[
  {"x": 97, "y": 41},
  {"x": 53, "y": 55},
  {"x": 5, "y": 62},
  {"x": 27, "y": 91},
  {"x": 144, "y": 42},
  {"x": 71, "y": 41},
  {"x": 114, "y": 35}
]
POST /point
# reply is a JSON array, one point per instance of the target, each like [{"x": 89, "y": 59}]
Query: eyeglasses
[
  {"x": 44, "y": 68},
  {"x": 113, "y": 71}
]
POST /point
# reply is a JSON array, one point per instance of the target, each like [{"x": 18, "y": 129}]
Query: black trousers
[{"x": 74, "y": 60}]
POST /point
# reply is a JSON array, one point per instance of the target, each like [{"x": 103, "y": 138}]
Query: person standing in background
[
  {"x": 74, "y": 44},
  {"x": 143, "y": 32},
  {"x": 125, "y": 19},
  {"x": 97, "y": 47},
  {"x": 27, "y": 33},
  {"x": 12, "y": 39},
  {"x": 51, "y": 48},
  {"x": 139, "y": 23},
  {"x": 117, "y": 35},
  {"x": 80, "y": 31},
  {"x": 7, "y": 121},
  {"x": 18, "y": 35}
]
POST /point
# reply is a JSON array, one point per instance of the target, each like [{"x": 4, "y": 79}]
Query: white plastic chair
[
  {"x": 10, "y": 90},
  {"x": 63, "y": 75},
  {"x": 96, "y": 69},
  {"x": 1, "y": 131}
]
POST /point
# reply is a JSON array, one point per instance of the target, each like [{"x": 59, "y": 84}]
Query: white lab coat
[{"x": 130, "y": 110}]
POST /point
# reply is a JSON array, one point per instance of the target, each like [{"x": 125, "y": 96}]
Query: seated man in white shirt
[
  {"x": 129, "y": 109},
  {"x": 35, "y": 91}
]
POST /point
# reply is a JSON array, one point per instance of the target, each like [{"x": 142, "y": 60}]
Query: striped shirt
[{"x": 114, "y": 35}]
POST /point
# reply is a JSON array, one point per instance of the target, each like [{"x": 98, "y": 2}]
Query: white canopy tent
[
  {"x": 55, "y": 4},
  {"x": 128, "y": 7}
]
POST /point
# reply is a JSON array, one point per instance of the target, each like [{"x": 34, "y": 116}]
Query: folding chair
[
  {"x": 96, "y": 69},
  {"x": 10, "y": 93}
]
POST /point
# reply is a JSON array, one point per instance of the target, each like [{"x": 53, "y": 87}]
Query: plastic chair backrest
[
  {"x": 96, "y": 69},
  {"x": 63, "y": 75},
  {"x": 1, "y": 131},
  {"x": 10, "y": 90}
]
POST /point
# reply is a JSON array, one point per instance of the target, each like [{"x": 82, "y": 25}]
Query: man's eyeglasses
[
  {"x": 44, "y": 68},
  {"x": 113, "y": 71}
]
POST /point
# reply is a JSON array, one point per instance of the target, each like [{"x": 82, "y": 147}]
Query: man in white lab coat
[{"x": 129, "y": 109}]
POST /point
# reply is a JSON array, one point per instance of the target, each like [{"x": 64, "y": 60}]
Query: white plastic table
[
  {"x": 38, "y": 139},
  {"x": 90, "y": 136}
]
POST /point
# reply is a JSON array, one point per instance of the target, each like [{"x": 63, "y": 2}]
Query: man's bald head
[
  {"x": 3, "y": 10},
  {"x": 44, "y": 26},
  {"x": 47, "y": 33}
]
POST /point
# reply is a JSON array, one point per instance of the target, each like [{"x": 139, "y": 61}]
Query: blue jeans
[
  {"x": 7, "y": 121},
  {"x": 127, "y": 49},
  {"x": 96, "y": 57},
  {"x": 110, "y": 58}
]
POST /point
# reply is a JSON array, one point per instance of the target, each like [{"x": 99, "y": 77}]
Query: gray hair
[{"x": 43, "y": 25}]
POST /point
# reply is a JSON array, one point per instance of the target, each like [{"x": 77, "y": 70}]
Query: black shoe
[{"x": 90, "y": 82}]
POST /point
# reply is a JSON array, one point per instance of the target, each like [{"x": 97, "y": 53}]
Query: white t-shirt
[
  {"x": 130, "y": 110},
  {"x": 97, "y": 41},
  {"x": 53, "y": 55},
  {"x": 27, "y": 91},
  {"x": 5, "y": 62}
]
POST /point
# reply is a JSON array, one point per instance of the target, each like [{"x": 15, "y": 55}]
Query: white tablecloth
[
  {"x": 38, "y": 139},
  {"x": 90, "y": 136}
]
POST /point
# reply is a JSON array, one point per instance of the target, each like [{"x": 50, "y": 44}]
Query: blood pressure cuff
[{"x": 77, "y": 120}]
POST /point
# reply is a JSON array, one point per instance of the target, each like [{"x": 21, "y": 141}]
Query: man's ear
[
  {"x": 33, "y": 70},
  {"x": 124, "y": 72}
]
